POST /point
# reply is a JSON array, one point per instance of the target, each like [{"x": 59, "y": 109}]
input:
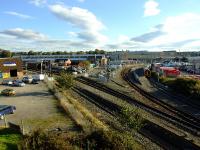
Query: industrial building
[{"x": 10, "y": 67}]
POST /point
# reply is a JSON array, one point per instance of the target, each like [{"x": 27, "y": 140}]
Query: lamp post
[
  {"x": 41, "y": 66},
  {"x": 26, "y": 65}
]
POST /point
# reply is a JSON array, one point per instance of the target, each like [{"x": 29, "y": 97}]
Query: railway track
[
  {"x": 180, "y": 114},
  {"x": 157, "y": 134},
  {"x": 183, "y": 123}
]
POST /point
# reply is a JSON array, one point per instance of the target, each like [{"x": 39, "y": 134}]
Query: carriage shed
[{"x": 10, "y": 67}]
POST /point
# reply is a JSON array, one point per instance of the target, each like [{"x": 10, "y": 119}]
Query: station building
[{"x": 10, "y": 67}]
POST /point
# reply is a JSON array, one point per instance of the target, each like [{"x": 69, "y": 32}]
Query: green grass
[{"x": 9, "y": 139}]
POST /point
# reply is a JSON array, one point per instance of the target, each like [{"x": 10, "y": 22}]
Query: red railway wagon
[{"x": 170, "y": 71}]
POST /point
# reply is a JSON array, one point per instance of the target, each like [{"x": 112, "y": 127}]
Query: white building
[{"x": 195, "y": 61}]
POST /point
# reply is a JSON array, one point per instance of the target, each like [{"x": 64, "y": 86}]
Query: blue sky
[{"x": 72, "y": 25}]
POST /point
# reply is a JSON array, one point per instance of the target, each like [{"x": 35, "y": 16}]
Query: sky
[{"x": 74, "y": 25}]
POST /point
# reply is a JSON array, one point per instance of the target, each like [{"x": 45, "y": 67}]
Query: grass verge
[
  {"x": 9, "y": 139},
  {"x": 78, "y": 113}
]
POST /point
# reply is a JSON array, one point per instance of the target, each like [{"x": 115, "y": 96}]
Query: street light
[{"x": 41, "y": 66}]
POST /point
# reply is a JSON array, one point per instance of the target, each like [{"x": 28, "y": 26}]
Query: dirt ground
[{"x": 36, "y": 106}]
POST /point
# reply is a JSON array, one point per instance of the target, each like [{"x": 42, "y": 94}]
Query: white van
[{"x": 38, "y": 77}]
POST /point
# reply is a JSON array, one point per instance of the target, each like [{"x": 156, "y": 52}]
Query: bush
[
  {"x": 65, "y": 80},
  {"x": 42, "y": 141},
  {"x": 186, "y": 86},
  {"x": 111, "y": 140},
  {"x": 166, "y": 80},
  {"x": 154, "y": 75},
  {"x": 85, "y": 64},
  {"x": 104, "y": 140},
  {"x": 131, "y": 118}
]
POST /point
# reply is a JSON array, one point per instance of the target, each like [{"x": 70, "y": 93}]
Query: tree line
[
  {"x": 96, "y": 51},
  {"x": 7, "y": 53}
]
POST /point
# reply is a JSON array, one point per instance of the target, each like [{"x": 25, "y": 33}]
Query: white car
[
  {"x": 7, "y": 82},
  {"x": 18, "y": 83}
]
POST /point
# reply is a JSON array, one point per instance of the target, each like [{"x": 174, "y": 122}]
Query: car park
[
  {"x": 18, "y": 83},
  {"x": 8, "y": 92},
  {"x": 7, "y": 82}
]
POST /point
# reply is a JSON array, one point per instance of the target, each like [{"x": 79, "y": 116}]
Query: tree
[
  {"x": 31, "y": 52},
  {"x": 85, "y": 64},
  {"x": 184, "y": 59},
  {"x": 80, "y": 52},
  {"x": 65, "y": 80},
  {"x": 5, "y": 54},
  {"x": 176, "y": 59},
  {"x": 97, "y": 51}
]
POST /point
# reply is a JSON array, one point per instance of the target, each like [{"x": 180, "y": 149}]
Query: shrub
[
  {"x": 85, "y": 64},
  {"x": 65, "y": 80},
  {"x": 166, "y": 80},
  {"x": 186, "y": 86},
  {"x": 154, "y": 75},
  {"x": 131, "y": 118},
  {"x": 111, "y": 140},
  {"x": 43, "y": 141},
  {"x": 101, "y": 139}
]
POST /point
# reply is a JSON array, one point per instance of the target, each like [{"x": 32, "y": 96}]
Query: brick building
[{"x": 10, "y": 67}]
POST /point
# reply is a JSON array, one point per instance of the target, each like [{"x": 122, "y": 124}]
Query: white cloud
[
  {"x": 83, "y": 19},
  {"x": 20, "y": 15},
  {"x": 122, "y": 38},
  {"x": 81, "y": 1},
  {"x": 176, "y": 32},
  {"x": 78, "y": 17},
  {"x": 72, "y": 34},
  {"x": 26, "y": 39},
  {"x": 178, "y": 29},
  {"x": 38, "y": 2},
  {"x": 151, "y": 8},
  {"x": 25, "y": 34}
]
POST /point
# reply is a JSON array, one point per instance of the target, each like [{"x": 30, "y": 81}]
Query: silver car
[
  {"x": 18, "y": 83},
  {"x": 7, "y": 82}
]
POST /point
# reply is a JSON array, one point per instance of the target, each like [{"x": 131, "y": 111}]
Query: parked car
[
  {"x": 8, "y": 92},
  {"x": 6, "y": 109},
  {"x": 7, "y": 82},
  {"x": 27, "y": 79},
  {"x": 34, "y": 81},
  {"x": 38, "y": 77},
  {"x": 79, "y": 71},
  {"x": 18, "y": 83}
]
